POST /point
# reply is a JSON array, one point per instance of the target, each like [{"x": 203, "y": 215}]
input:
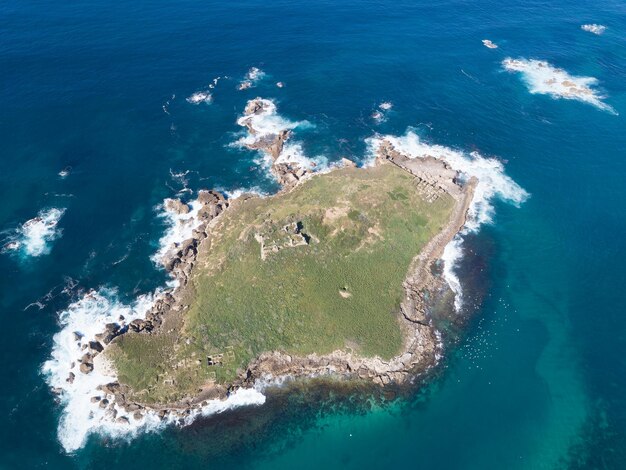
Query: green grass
[{"x": 365, "y": 227}]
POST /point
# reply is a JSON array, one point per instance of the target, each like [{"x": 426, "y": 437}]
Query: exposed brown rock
[{"x": 176, "y": 206}]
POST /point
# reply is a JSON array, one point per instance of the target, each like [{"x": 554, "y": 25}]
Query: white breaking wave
[
  {"x": 64, "y": 173},
  {"x": 492, "y": 183},
  {"x": 253, "y": 76},
  {"x": 179, "y": 227},
  {"x": 237, "y": 193},
  {"x": 380, "y": 114},
  {"x": 87, "y": 317},
  {"x": 294, "y": 153},
  {"x": 594, "y": 28},
  {"x": 267, "y": 123},
  {"x": 81, "y": 416},
  {"x": 543, "y": 78},
  {"x": 34, "y": 237},
  {"x": 200, "y": 97},
  {"x": 214, "y": 82}
]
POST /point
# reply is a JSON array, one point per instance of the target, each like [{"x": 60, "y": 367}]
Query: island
[{"x": 334, "y": 275}]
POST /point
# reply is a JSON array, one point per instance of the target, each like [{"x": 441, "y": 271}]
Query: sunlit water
[{"x": 95, "y": 120}]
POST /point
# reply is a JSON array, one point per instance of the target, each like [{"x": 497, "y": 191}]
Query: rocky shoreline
[{"x": 422, "y": 344}]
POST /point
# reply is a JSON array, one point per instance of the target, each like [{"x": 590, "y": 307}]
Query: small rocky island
[{"x": 333, "y": 275}]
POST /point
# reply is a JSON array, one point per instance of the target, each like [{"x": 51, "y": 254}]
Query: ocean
[{"x": 108, "y": 108}]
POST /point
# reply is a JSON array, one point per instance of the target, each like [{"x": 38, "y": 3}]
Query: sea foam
[
  {"x": 236, "y": 193},
  {"x": 82, "y": 417},
  {"x": 543, "y": 78},
  {"x": 594, "y": 28},
  {"x": 253, "y": 76},
  {"x": 267, "y": 123},
  {"x": 200, "y": 97},
  {"x": 35, "y": 236},
  {"x": 379, "y": 115},
  {"x": 493, "y": 184},
  {"x": 87, "y": 317},
  {"x": 178, "y": 228}
]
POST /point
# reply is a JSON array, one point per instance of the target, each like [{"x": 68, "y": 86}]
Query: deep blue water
[{"x": 537, "y": 381}]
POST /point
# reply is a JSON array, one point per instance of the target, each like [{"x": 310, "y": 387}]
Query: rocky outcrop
[
  {"x": 180, "y": 258},
  {"x": 111, "y": 330},
  {"x": 272, "y": 144},
  {"x": 178, "y": 261},
  {"x": 176, "y": 206}
]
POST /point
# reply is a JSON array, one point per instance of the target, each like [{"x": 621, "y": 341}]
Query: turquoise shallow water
[{"x": 536, "y": 381}]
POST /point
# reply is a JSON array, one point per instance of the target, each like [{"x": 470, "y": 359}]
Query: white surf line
[{"x": 493, "y": 184}]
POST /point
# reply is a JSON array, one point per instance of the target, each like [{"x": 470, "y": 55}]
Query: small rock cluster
[{"x": 287, "y": 173}]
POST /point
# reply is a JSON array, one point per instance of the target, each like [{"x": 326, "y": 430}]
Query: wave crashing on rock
[
  {"x": 90, "y": 399},
  {"x": 543, "y": 78},
  {"x": 35, "y": 236},
  {"x": 492, "y": 184}
]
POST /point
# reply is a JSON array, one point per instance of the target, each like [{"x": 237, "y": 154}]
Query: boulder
[
  {"x": 132, "y": 407},
  {"x": 170, "y": 263},
  {"x": 206, "y": 197},
  {"x": 176, "y": 206},
  {"x": 95, "y": 399},
  {"x": 111, "y": 330},
  {"x": 122, "y": 420},
  {"x": 346, "y": 163},
  {"x": 137, "y": 415},
  {"x": 188, "y": 247},
  {"x": 86, "y": 367},
  {"x": 70, "y": 378},
  {"x": 96, "y": 346},
  {"x": 199, "y": 234},
  {"x": 103, "y": 403},
  {"x": 275, "y": 148},
  {"x": 137, "y": 325},
  {"x": 110, "y": 388},
  {"x": 255, "y": 106}
]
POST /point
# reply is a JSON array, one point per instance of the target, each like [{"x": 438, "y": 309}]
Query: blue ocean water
[{"x": 538, "y": 379}]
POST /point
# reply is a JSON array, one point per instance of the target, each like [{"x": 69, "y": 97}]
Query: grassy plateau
[{"x": 314, "y": 269}]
